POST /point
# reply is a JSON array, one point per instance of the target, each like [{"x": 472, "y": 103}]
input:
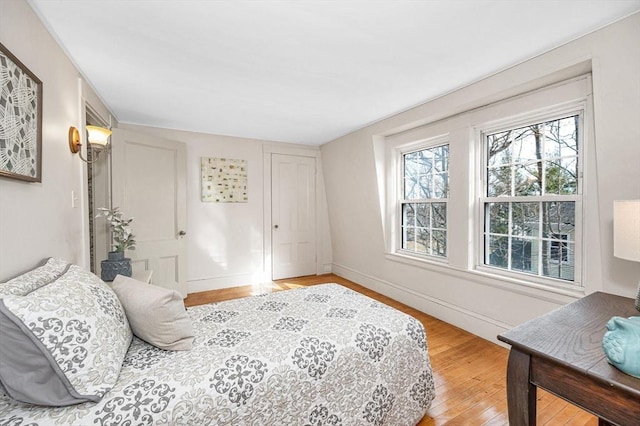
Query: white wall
[
  {"x": 226, "y": 243},
  {"x": 483, "y": 306},
  {"x": 37, "y": 219}
]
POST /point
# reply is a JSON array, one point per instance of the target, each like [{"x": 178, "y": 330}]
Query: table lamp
[
  {"x": 626, "y": 233},
  {"x": 621, "y": 342}
]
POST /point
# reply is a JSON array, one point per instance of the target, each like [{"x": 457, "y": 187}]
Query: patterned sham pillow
[
  {"x": 63, "y": 343},
  {"x": 37, "y": 277}
]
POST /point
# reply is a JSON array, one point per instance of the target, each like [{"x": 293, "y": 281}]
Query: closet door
[{"x": 293, "y": 204}]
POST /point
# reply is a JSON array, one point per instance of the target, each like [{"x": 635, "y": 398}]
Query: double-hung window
[
  {"x": 531, "y": 197},
  {"x": 423, "y": 200},
  {"x": 507, "y": 206}
]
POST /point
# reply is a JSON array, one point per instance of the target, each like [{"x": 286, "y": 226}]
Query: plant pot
[
  {"x": 115, "y": 255},
  {"x": 115, "y": 264}
]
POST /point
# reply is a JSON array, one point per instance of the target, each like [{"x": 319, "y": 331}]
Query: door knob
[
  {"x": 182, "y": 233},
  {"x": 275, "y": 226}
]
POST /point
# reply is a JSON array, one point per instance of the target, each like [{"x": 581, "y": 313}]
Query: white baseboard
[
  {"x": 480, "y": 325},
  {"x": 217, "y": 283}
]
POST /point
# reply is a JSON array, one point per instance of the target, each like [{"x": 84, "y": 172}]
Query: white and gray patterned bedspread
[{"x": 321, "y": 355}]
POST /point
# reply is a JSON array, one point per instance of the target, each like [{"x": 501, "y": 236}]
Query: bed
[{"x": 320, "y": 355}]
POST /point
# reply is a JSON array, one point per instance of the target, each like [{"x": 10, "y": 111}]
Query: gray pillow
[
  {"x": 63, "y": 343},
  {"x": 156, "y": 315},
  {"x": 24, "y": 359},
  {"x": 43, "y": 274}
]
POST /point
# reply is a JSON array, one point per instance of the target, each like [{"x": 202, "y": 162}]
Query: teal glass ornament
[{"x": 621, "y": 344}]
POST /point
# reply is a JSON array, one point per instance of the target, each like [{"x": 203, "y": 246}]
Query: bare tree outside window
[
  {"x": 529, "y": 203},
  {"x": 425, "y": 191}
]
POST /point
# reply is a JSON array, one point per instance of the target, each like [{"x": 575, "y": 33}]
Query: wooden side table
[{"x": 561, "y": 352}]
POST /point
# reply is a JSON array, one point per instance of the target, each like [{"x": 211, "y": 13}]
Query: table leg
[{"x": 521, "y": 394}]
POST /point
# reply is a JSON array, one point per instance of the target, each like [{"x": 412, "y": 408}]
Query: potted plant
[{"x": 122, "y": 239}]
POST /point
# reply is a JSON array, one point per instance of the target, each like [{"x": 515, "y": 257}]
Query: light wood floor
[{"x": 469, "y": 372}]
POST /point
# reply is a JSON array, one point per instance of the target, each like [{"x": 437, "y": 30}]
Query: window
[
  {"x": 424, "y": 195},
  {"x": 495, "y": 194},
  {"x": 531, "y": 190}
]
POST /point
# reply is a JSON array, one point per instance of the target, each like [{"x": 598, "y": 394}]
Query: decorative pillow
[
  {"x": 39, "y": 276},
  {"x": 156, "y": 315},
  {"x": 63, "y": 343}
]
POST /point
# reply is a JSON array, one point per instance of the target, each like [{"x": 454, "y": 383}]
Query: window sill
[{"x": 525, "y": 287}]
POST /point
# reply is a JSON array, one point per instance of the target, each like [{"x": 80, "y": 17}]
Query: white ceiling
[{"x": 301, "y": 71}]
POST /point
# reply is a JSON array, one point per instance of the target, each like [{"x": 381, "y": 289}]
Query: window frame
[
  {"x": 428, "y": 201},
  {"x": 464, "y": 236},
  {"x": 400, "y": 152},
  {"x": 579, "y": 108}
]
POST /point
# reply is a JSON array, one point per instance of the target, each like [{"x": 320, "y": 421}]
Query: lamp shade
[
  {"x": 98, "y": 136},
  {"x": 626, "y": 229}
]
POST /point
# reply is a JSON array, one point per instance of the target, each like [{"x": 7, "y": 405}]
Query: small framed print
[
  {"x": 20, "y": 120},
  {"x": 224, "y": 180}
]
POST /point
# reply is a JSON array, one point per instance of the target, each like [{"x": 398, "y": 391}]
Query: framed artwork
[
  {"x": 20, "y": 120},
  {"x": 224, "y": 180}
]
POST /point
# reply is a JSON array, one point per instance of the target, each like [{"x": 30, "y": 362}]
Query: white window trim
[
  {"x": 578, "y": 107},
  {"x": 465, "y": 170},
  {"x": 413, "y": 140},
  {"x": 400, "y": 152}
]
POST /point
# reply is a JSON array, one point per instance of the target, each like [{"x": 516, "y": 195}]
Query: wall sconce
[
  {"x": 98, "y": 140},
  {"x": 626, "y": 233}
]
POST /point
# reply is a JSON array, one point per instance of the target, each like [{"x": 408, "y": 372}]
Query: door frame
[
  {"x": 88, "y": 101},
  {"x": 268, "y": 150},
  {"x": 99, "y": 237}
]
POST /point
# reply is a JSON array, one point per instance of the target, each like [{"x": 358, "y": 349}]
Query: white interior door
[
  {"x": 149, "y": 184},
  {"x": 293, "y": 216}
]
